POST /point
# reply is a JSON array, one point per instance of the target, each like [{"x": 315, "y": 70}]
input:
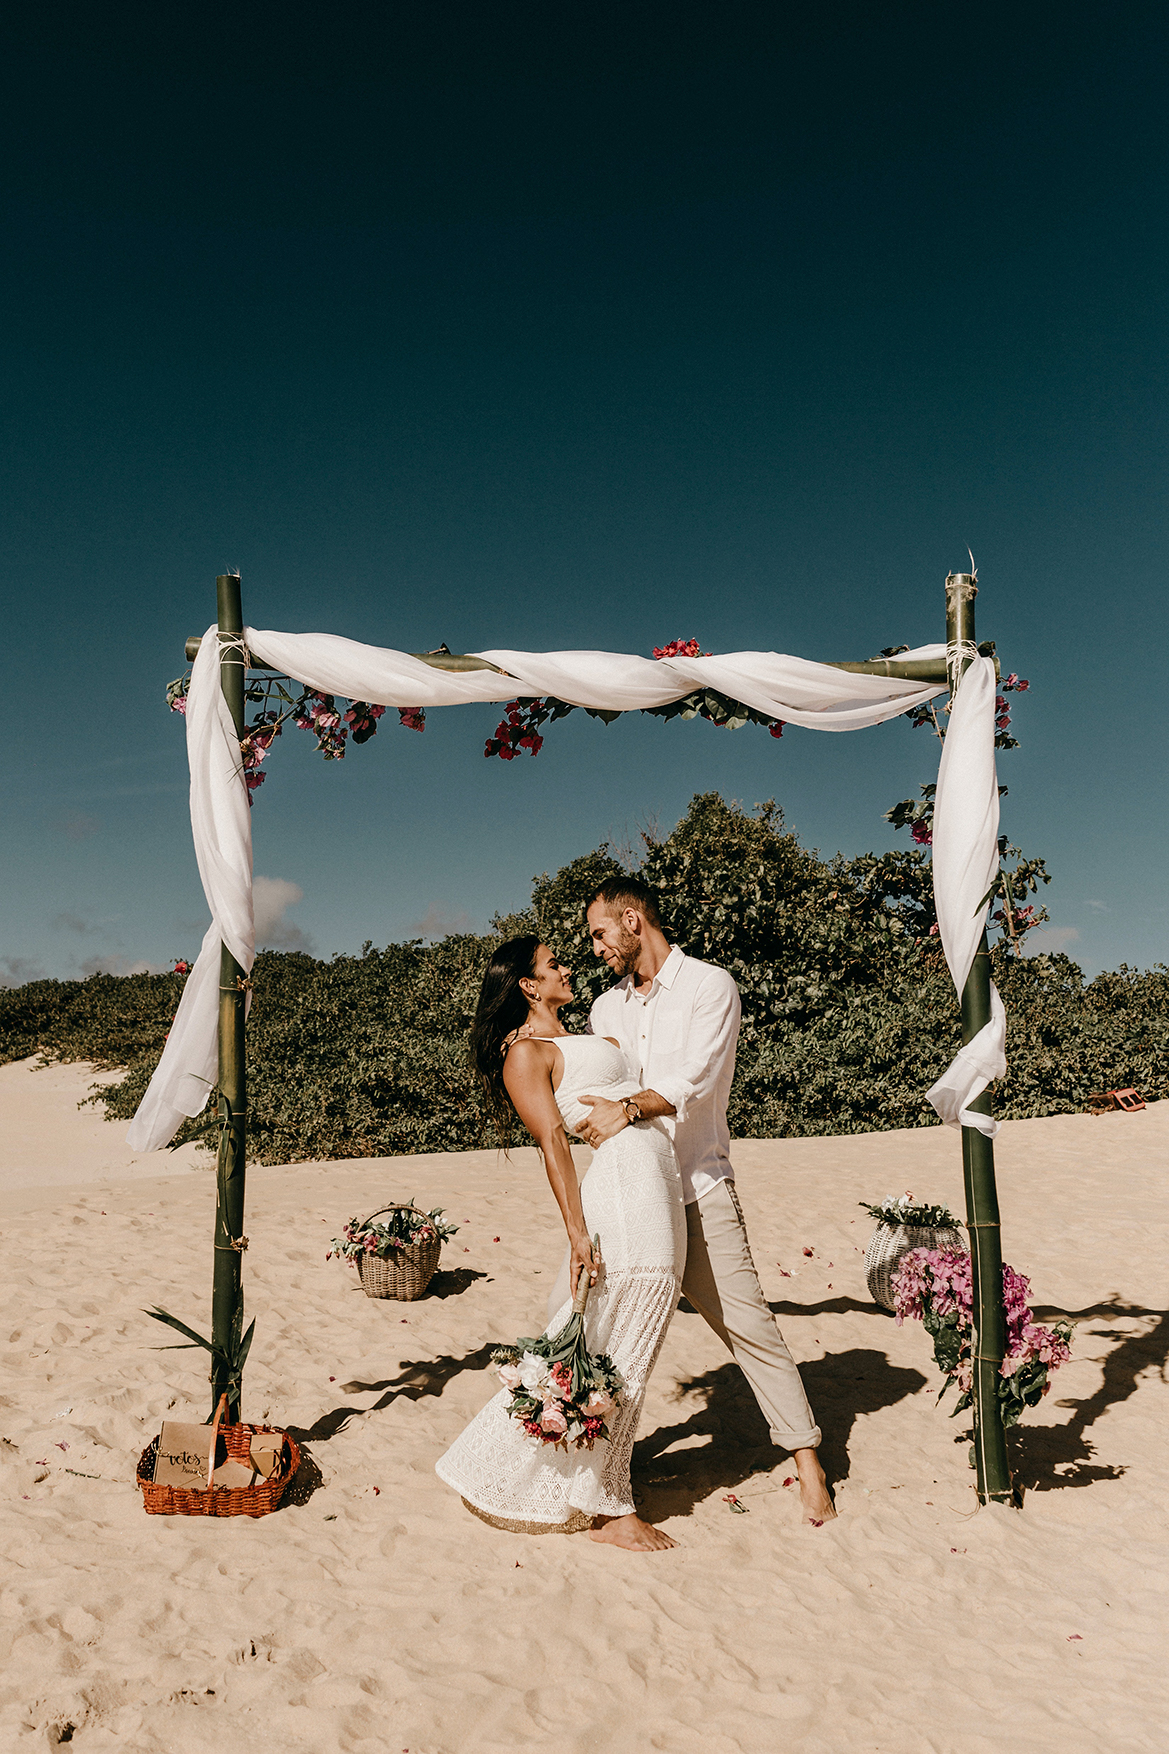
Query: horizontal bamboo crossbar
[{"x": 916, "y": 670}]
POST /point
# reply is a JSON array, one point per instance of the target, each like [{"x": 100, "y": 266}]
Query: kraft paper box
[
  {"x": 235, "y": 1474},
  {"x": 267, "y": 1447},
  {"x": 262, "y": 1463},
  {"x": 184, "y": 1454}
]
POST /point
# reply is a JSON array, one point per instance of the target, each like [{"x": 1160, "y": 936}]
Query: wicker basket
[
  {"x": 255, "y": 1500},
  {"x": 887, "y": 1245},
  {"x": 407, "y": 1272}
]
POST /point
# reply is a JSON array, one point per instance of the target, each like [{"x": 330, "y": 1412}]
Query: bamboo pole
[
  {"x": 913, "y": 670},
  {"x": 982, "y": 1206},
  {"x": 227, "y": 1301}
]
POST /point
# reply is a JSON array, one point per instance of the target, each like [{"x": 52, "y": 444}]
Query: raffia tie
[
  {"x": 959, "y": 655},
  {"x": 234, "y": 642}
]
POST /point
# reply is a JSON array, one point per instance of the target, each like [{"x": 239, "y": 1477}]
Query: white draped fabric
[
  {"x": 793, "y": 689},
  {"x": 966, "y": 860}
]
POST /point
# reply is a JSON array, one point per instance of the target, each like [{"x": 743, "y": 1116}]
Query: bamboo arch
[{"x": 930, "y": 671}]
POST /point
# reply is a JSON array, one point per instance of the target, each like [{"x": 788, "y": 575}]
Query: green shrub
[{"x": 848, "y": 1010}]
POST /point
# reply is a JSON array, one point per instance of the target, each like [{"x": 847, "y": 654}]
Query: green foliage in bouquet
[{"x": 561, "y": 1393}]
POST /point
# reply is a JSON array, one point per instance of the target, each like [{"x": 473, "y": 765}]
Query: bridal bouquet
[{"x": 561, "y": 1393}]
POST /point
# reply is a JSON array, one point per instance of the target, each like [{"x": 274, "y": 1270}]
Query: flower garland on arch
[
  {"x": 331, "y": 723},
  {"x": 519, "y": 728},
  {"x": 335, "y": 724}
]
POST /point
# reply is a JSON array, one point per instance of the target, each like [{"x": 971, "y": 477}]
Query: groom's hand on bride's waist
[
  {"x": 605, "y": 1122},
  {"x": 610, "y": 1118}
]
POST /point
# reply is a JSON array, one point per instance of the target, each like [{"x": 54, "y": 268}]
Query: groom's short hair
[{"x": 622, "y": 892}]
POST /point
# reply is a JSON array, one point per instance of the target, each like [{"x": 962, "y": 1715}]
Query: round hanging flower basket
[
  {"x": 903, "y": 1225},
  {"x": 398, "y": 1259}
]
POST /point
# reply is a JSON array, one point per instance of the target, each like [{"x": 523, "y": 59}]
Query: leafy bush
[{"x": 848, "y": 1010}]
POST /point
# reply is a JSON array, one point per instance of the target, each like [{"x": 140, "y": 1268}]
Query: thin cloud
[
  {"x": 72, "y": 923},
  {"x": 80, "y": 826},
  {"x": 436, "y": 922},
  {"x": 17, "y": 971},
  {"x": 271, "y": 898},
  {"x": 1049, "y": 940},
  {"x": 115, "y": 964}
]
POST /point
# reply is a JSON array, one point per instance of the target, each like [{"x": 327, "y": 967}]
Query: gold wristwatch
[{"x": 632, "y": 1112}]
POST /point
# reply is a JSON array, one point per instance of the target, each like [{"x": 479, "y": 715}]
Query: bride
[{"x": 631, "y": 1196}]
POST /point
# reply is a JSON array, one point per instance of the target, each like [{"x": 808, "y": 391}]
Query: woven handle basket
[
  {"x": 408, "y": 1271},
  {"x": 255, "y": 1500},
  {"x": 889, "y": 1242}
]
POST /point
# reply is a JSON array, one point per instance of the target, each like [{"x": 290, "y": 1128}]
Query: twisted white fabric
[
  {"x": 793, "y": 689},
  {"x": 966, "y": 860}
]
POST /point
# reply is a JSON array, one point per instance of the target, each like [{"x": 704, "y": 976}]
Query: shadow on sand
[
  {"x": 1050, "y": 1456},
  {"x": 670, "y": 1481},
  {"x": 424, "y": 1376},
  {"x": 724, "y": 1436}
]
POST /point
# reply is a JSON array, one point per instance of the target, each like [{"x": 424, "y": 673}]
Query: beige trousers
[{"x": 722, "y": 1285}]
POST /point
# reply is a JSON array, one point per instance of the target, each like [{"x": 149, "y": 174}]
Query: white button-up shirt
[{"x": 681, "y": 1035}]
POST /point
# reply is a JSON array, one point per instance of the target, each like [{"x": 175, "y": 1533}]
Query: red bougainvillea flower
[
  {"x": 681, "y": 648},
  {"x": 518, "y": 729}
]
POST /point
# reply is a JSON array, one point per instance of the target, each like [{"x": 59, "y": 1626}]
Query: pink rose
[
  {"x": 553, "y": 1422},
  {"x": 598, "y": 1404},
  {"x": 509, "y": 1376}
]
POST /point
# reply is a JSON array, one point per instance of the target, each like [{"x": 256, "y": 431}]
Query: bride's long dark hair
[{"x": 503, "y": 1006}]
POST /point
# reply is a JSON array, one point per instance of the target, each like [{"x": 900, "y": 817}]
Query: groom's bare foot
[
  {"x": 630, "y": 1532},
  {"x": 815, "y": 1498}
]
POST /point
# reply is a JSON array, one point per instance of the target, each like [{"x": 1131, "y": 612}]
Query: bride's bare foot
[
  {"x": 630, "y": 1532},
  {"x": 815, "y": 1498}
]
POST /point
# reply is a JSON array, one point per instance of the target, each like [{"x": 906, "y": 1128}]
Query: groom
[{"x": 678, "y": 1019}]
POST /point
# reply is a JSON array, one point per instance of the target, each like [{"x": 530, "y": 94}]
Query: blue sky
[{"x": 509, "y": 330}]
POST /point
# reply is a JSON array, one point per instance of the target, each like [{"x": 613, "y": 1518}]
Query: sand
[{"x": 376, "y": 1614}]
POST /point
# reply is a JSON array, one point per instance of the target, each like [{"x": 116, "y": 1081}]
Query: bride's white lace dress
[{"x": 632, "y": 1198}]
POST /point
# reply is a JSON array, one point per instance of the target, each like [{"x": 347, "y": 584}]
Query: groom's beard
[{"x": 628, "y": 953}]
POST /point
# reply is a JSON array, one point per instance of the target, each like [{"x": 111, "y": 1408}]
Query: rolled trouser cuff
[{"x": 794, "y": 1441}]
